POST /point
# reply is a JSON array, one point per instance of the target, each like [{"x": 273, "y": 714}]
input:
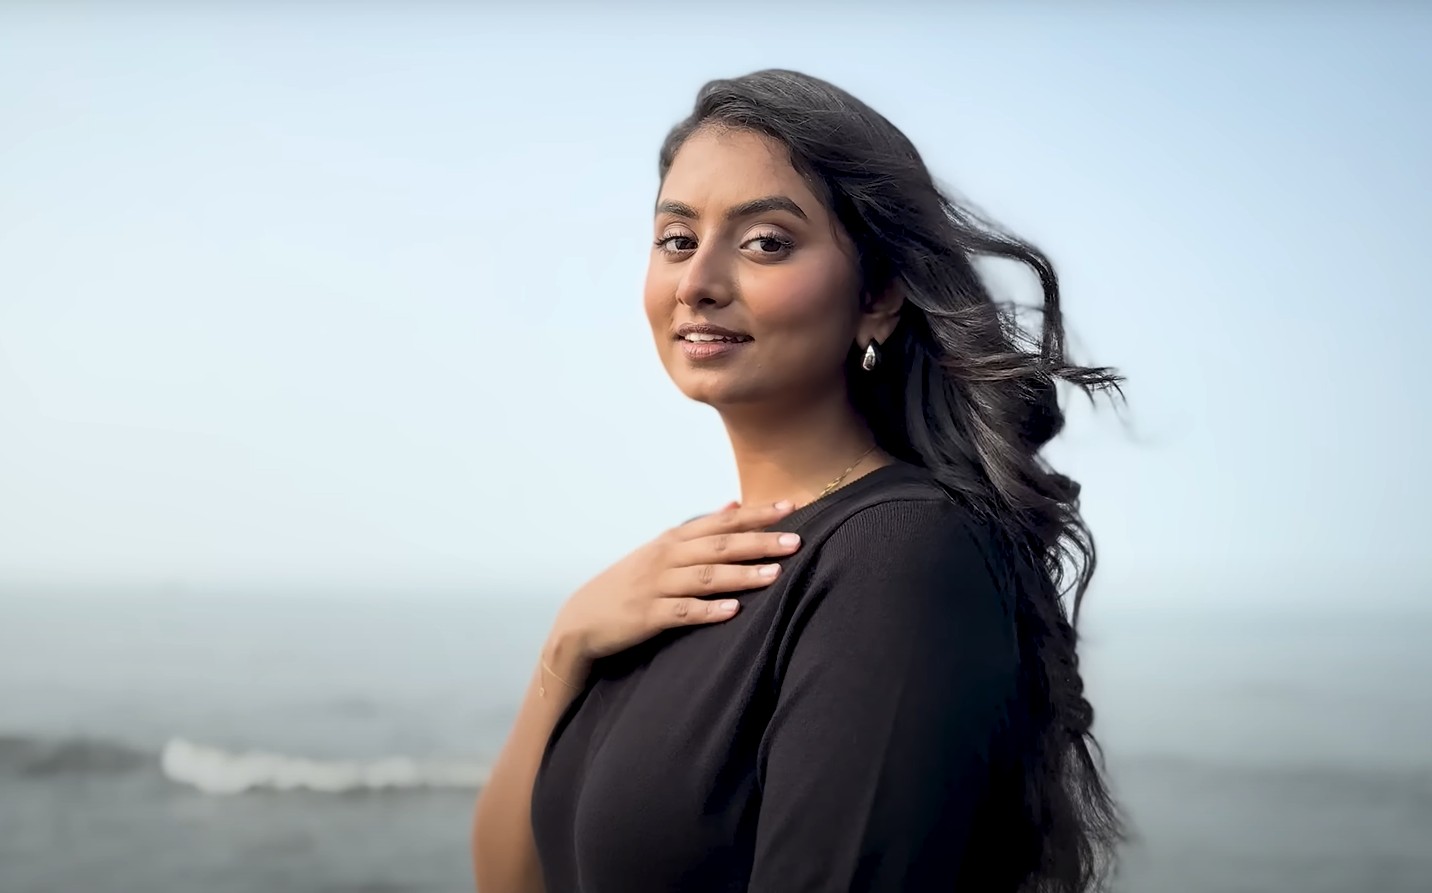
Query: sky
[{"x": 300, "y": 301}]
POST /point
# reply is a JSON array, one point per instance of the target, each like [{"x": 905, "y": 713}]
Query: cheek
[
  {"x": 814, "y": 302},
  {"x": 658, "y": 292}
]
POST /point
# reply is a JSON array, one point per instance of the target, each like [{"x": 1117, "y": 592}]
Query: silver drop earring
[{"x": 871, "y": 358}]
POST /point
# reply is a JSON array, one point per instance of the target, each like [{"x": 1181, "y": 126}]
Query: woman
[{"x": 860, "y": 677}]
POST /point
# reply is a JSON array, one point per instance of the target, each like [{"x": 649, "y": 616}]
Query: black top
[{"x": 836, "y": 734}]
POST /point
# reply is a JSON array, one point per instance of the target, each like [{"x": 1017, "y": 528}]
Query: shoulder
[
  {"x": 915, "y": 524},
  {"x": 910, "y": 584},
  {"x": 909, "y": 555}
]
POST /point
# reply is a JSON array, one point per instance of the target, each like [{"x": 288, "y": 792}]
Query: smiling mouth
[{"x": 702, "y": 338}]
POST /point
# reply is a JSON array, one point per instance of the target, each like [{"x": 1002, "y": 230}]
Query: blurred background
[{"x": 324, "y": 380}]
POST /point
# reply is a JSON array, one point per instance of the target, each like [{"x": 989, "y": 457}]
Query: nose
[{"x": 706, "y": 281}]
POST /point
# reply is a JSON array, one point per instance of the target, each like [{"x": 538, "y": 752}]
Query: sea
[{"x": 171, "y": 742}]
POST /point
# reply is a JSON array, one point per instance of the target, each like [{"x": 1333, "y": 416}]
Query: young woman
[{"x": 861, "y": 676}]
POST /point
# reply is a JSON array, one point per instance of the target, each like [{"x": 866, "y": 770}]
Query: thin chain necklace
[{"x": 830, "y": 487}]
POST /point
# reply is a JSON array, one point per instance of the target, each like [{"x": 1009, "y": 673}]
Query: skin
[
  {"x": 788, "y": 276},
  {"x": 789, "y": 279}
]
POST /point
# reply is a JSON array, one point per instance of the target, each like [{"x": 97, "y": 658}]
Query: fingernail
[
  {"x": 728, "y": 605},
  {"x": 769, "y": 570},
  {"x": 783, "y": 506},
  {"x": 789, "y": 539}
]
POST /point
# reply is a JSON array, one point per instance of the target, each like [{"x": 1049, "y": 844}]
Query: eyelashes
[
  {"x": 782, "y": 242},
  {"x": 773, "y": 244},
  {"x": 665, "y": 244}
]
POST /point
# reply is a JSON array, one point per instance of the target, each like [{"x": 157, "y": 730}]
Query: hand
[{"x": 656, "y": 587}]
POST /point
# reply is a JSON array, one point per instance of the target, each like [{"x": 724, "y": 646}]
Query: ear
[{"x": 879, "y": 314}]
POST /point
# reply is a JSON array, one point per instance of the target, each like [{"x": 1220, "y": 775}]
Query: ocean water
[{"x": 236, "y": 745}]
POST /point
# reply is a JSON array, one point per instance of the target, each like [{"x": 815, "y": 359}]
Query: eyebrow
[{"x": 745, "y": 209}]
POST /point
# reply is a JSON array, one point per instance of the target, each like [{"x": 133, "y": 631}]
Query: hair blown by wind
[{"x": 969, "y": 391}]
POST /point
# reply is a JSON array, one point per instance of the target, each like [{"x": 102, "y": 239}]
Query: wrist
[{"x": 563, "y": 655}]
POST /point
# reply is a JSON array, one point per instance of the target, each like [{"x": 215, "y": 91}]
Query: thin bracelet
[{"x": 542, "y": 686}]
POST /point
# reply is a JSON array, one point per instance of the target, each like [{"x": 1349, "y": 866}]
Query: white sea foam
[{"x": 214, "y": 770}]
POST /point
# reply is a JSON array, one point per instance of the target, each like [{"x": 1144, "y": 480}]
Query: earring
[{"x": 871, "y": 358}]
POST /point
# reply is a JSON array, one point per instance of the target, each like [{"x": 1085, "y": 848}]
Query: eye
[
  {"x": 770, "y": 244},
  {"x": 676, "y": 243}
]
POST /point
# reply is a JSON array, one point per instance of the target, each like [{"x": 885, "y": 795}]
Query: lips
[
  {"x": 706, "y": 344},
  {"x": 704, "y": 333}
]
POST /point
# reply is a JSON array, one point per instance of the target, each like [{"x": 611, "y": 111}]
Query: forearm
[{"x": 503, "y": 850}]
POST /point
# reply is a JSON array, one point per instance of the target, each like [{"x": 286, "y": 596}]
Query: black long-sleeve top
[{"x": 841, "y": 732}]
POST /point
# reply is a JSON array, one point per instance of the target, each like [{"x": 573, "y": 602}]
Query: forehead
[{"x": 722, "y": 167}]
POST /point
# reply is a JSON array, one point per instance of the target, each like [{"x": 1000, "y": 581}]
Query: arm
[
  {"x": 662, "y": 585},
  {"x": 504, "y": 853},
  {"x": 900, "y": 667}
]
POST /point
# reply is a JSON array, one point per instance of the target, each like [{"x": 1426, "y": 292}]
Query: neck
[{"x": 794, "y": 455}]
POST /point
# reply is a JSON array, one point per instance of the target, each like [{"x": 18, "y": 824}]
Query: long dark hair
[{"x": 967, "y": 390}]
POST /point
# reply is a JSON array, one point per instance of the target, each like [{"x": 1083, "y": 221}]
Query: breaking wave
[{"x": 214, "y": 770}]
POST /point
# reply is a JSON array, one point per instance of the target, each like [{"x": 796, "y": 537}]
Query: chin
[
  {"x": 713, "y": 396},
  {"x": 716, "y": 389}
]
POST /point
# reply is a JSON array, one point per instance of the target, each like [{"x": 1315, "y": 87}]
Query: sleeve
[{"x": 899, "y": 668}]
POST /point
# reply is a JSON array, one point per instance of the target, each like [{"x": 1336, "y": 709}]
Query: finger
[
  {"x": 725, "y": 548},
  {"x": 712, "y": 578},
  {"x": 693, "y": 611},
  {"x": 731, "y": 520}
]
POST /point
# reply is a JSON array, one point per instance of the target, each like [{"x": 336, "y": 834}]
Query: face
[{"x": 753, "y": 289}]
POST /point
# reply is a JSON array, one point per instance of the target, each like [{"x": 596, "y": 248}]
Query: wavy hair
[{"x": 968, "y": 391}]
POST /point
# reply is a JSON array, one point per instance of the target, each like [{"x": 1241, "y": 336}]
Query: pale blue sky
[{"x": 306, "y": 301}]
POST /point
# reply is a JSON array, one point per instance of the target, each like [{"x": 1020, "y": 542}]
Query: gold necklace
[{"x": 830, "y": 487}]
